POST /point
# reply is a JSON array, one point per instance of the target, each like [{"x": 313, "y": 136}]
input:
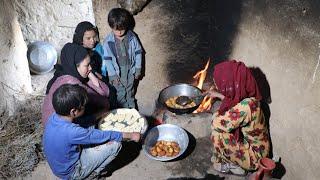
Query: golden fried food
[
  {"x": 162, "y": 153},
  {"x": 165, "y": 148},
  {"x": 171, "y": 102},
  {"x": 174, "y": 144},
  {"x": 176, "y": 149}
]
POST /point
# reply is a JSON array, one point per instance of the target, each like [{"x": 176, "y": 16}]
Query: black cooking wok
[{"x": 180, "y": 90}]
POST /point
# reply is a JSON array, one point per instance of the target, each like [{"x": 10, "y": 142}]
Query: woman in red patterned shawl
[{"x": 239, "y": 131}]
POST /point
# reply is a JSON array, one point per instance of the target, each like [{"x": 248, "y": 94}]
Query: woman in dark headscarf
[
  {"x": 239, "y": 131},
  {"x": 75, "y": 69}
]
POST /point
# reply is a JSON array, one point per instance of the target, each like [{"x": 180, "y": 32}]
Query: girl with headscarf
[
  {"x": 239, "y": 131},
  {"x": 75, "y": 69}
]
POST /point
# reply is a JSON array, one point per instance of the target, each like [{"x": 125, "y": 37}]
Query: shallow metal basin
[{"x": 167, "y": 132}]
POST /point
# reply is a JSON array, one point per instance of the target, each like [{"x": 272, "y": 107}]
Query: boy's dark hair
[
  {"x": 119, "y": 19},
  {"x": 67, "y": 97}
]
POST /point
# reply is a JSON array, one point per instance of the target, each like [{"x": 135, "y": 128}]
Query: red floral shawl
[{"x": 235, "y": 81}]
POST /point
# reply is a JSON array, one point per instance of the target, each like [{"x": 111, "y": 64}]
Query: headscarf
[
  {"x": 81, "y": 29},
  {"x": 71, "y": 55},
  {"x": 235, "y": 81}
]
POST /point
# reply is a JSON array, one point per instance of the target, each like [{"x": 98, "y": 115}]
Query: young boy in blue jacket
[
  {"x": 67, "y": 145},
  {"x": 122, "y": 57}
]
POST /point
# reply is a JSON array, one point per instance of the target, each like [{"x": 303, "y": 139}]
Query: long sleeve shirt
[{"x": 61, "y": 140}]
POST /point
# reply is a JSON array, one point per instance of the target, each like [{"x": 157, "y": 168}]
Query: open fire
[{"x": 200, "y": 76}]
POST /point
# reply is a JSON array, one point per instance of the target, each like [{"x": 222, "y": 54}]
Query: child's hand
[
  {"x": 135, "y": 136},
  {"x": 136, "y": 77},
  {"x": 115, "y": 82}
]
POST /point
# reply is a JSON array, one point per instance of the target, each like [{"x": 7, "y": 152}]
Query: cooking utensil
[
  {"x": 180, "y": 90},
  {"x": 42, "y": 57},
  {"x": 184, "y": 100},
  {"x": 166, "y": 132}
]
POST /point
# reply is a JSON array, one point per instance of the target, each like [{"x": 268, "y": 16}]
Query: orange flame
[
  {"x": 201, "y": 75},
  {"x": 207, "y": 101}
]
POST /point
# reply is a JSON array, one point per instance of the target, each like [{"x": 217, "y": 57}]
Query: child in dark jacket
[{"x": 67, "y": 146}]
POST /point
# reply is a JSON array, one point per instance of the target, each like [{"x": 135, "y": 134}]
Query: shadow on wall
[
  {"x": 201, "y": 29},
  {"x": 264, "y": 89}
]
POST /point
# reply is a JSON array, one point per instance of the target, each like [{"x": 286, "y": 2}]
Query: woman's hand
[
  {"x": 213, "y": 93},
  {"x": 94, "y": 79},
  {"x": 98, "y": 75}
]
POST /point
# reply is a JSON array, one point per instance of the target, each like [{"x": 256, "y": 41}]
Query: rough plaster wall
[
  {"x": 282, "y": 39},
  {"x": 52, "y": 21},
  {"x": 14, "y": 75}
]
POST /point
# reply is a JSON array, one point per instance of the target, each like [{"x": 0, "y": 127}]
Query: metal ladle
[{"x": 185, "y": 100}]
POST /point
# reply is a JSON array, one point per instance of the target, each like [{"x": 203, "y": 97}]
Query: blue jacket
[
  {"x": 110, "y": 66},
  {"x": 61, "y": 139}
]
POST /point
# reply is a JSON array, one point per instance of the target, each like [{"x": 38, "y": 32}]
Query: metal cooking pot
[{"x": 180, "y": 90}]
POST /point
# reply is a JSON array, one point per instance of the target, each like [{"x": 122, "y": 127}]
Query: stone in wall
[{"x": 133, "y": 6}]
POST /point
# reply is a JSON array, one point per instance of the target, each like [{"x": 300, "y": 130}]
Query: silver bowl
[
  {"x": 167, "y": 132},
  {"x": 180, "y": 90},
  {"x": 42, "y": 57}
]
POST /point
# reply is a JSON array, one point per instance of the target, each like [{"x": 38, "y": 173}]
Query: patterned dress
[{"x": 253, "y": 142}]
